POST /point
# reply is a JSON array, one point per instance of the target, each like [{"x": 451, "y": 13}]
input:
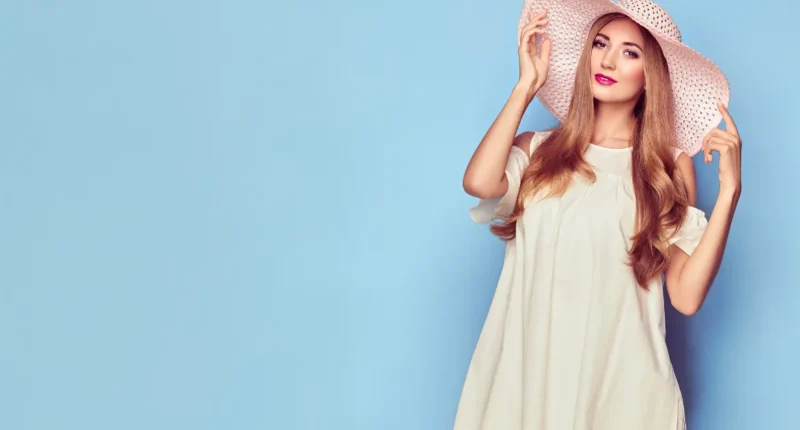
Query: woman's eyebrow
[{"x": 624, "y": 43}]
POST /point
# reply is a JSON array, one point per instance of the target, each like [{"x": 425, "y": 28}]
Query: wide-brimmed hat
[{"x": 697, "y": 83}]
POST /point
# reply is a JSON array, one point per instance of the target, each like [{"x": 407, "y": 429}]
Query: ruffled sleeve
[
  {"x": 488, "y": 210},
  {"x": 688, "y": 236}
]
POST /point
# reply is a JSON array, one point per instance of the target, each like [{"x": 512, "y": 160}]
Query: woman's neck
[{"x": 613, "y": 124}]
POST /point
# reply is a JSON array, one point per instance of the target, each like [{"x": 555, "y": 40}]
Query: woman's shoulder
[
  {"x": 528, "y": 140},
  {"x": 523, "y": 141}
]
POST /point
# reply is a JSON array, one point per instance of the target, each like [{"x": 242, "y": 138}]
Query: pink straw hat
[{"x": 697, "y": 83}]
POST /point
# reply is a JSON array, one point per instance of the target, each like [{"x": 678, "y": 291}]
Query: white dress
[{"x": 570, "y": 341}]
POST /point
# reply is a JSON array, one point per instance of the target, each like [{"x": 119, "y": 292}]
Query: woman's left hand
[{"x": 729, "y": 146}]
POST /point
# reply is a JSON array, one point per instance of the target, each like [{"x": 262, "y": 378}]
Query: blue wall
[{"x": 237, "y": 215}]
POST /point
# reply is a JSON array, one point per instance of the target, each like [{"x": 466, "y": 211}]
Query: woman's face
[{"x": 618, "y": 62}]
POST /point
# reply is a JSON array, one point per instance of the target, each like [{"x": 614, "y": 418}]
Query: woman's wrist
[
  {"x": 727, "y": 200},
  {"x": 526, "y": 89},
  {"x": 729, "y": 194}
]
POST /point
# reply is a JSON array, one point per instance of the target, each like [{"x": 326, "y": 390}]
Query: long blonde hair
[{"x": 661, "y": 196}]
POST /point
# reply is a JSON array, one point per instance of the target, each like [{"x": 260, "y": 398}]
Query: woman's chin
[
  {"x": 607, "y": 94},
  {"x": 603, "y": 93}
]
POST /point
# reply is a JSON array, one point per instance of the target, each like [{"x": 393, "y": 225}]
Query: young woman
[{"x": 597, "y": 213}]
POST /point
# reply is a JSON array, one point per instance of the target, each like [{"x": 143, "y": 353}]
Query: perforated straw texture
[{"x": 697, "y": 83}]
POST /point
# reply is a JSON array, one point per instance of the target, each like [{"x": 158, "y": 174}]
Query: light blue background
[{"x": 249, "y": 215}]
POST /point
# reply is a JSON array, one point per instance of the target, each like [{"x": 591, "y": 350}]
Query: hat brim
[{"x": 697, "y": 83}]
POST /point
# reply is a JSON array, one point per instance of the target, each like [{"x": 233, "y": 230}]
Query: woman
[{"x": 594, "y": 212}]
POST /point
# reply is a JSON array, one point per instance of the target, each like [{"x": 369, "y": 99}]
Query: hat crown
[{"x": 654, "y": 15}]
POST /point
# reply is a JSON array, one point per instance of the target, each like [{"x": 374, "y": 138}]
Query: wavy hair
[{"x": 661, "y": 195}]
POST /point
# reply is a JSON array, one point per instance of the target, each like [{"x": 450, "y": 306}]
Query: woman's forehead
[{"x": 622, "y": 30}]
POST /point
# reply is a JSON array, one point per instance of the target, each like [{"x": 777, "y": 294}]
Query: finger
[
  {"x": 716, "y": 144},
  {"x": 532, "y": 40},
  {"x": 535, "y": 23},
  {"x": 535, "y": 31},
  {"x": 545, "y": 51},
  {"x": 525, "y": 45},
  {"x": 530, "y": 36},
  {"x": 527, "y": 32},
  {"x": 707, "y": 156},
  {"x": 706, "y": 152},
  {"x": 537, "y": 19},
  {"x": 703, "y": 150},
  {"x": 534, "y": 15},
  {"x": 729, "y": 124},
  {"x": 718, "y": 132},
  {"x": 722, "y": 147}
]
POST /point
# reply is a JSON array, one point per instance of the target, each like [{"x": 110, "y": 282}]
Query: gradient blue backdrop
[{"x": 249, "y": 215}]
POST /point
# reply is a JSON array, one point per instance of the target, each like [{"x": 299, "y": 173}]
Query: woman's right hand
[{"x": 532, "y": 65}]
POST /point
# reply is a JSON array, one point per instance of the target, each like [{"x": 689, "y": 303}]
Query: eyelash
[{"x": 633, "y": 54}]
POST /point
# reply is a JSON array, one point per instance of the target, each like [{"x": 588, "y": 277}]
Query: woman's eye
[
  {"x": 632, "y": 54},
  {"x": 599, "y": 44}
]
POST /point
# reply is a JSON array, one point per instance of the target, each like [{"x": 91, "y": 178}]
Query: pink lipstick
[{"x": 603, "y": 79}]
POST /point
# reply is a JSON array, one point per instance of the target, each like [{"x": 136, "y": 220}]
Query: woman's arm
[
  {"x": 686, "y": 167},
  {"x": 689, "y": 277},
  {"x": 485, "y": 174}
]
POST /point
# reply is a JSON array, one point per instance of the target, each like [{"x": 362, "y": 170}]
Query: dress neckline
[
  {"x": 606, "y": 148},
  {"x": 616, "y": 161}
]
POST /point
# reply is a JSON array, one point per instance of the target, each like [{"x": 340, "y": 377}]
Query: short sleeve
[
  {"x": 688, "y": 236},
  {"x": 488, "y": 210}
]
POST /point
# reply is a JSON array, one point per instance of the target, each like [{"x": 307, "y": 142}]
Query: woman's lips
[{"x": 604, "y": 80}]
